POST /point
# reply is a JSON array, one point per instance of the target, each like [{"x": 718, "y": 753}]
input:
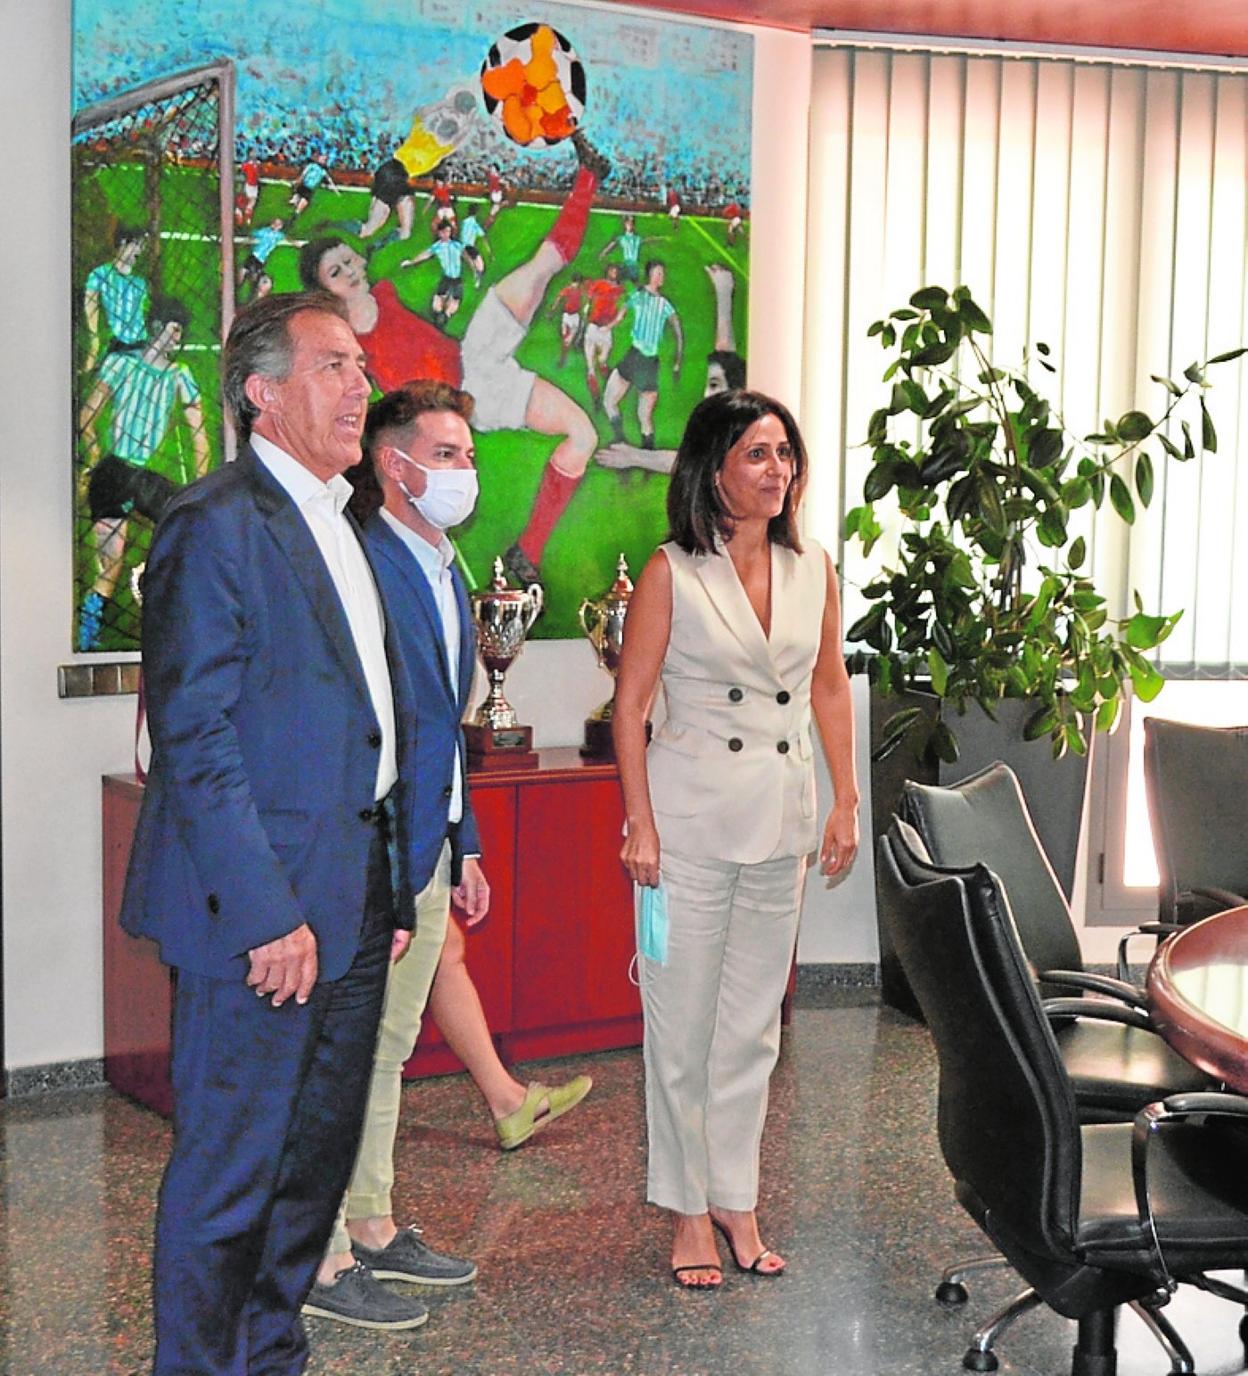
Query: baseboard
[
  {"x": 816, "y": 976},
  {"x": 58, "y": 1075}
]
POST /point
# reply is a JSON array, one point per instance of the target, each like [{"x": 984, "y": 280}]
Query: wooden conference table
[{"x": 1197, "y": 990}]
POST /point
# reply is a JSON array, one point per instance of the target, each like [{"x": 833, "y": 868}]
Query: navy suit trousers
[{"x": 268, "y": 1105}]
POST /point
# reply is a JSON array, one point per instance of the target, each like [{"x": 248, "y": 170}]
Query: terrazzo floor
[{"x": 573, "y": 1264}]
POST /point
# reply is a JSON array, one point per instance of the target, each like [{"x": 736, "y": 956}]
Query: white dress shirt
[
  {"x": 435, "y": 563},
  {"x": 322, "y": 507}
]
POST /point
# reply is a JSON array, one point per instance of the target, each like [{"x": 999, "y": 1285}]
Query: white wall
[{"x": 53, "y": 751}]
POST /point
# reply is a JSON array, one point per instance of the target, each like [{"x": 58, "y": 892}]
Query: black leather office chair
[
  {"x": 1116, "y": 1065},
  {"x": 1092, "y": 1216},
  {"x": 1196, "y": 778}
]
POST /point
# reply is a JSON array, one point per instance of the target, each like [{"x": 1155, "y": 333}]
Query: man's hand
[
  {"x": 399, "y": 943},
  {"x": 472, "y": 894},
  {"x": 284, "y": 967}
]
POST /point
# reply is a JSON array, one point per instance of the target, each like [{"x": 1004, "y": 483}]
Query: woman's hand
[
  {"x": 840, "y": 840},
  {"x": 640, "y": 854}
]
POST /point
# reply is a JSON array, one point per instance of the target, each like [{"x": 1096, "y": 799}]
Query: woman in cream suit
[{"x": 740, "y": 620}]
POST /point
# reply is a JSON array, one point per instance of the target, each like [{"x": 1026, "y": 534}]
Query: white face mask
[{"x": 449, "y": 497}]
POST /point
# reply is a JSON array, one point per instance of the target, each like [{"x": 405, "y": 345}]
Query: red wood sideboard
[{"x": 551, "y": 961}]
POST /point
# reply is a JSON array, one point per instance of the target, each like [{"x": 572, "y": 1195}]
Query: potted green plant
[
  {"x": 988, "y": 598},
  {"x": 988, "y": 603}
]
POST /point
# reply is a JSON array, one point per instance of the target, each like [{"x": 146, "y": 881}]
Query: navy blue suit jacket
[
  {"x": 265, "y": 743},
  {"x": 439, "y": 710}
]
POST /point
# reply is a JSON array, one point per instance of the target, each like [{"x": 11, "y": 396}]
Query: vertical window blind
[{"x": 1097, "y": 206}]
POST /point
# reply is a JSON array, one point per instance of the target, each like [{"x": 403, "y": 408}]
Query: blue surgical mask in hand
[{"x": 652, "y": 922}]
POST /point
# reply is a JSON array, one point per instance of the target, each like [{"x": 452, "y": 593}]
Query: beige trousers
[
  {"x": 407, "y": 991},
  {"x": 712, "y": 1026}
]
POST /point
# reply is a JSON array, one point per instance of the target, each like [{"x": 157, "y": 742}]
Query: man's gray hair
[{"x": 260, "y": 342}]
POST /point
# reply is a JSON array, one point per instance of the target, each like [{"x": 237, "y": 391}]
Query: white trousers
[
  {"x": 407, "y": 992},
  {"x": 712, "y": 1026}
]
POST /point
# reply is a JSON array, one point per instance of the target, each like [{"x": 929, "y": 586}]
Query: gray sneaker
[
  {"x": 358, "y": 1297},
  {"x": 408, "y": 1258}
]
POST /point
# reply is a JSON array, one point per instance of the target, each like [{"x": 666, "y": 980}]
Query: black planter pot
[{"x": 1055, "y": 790}]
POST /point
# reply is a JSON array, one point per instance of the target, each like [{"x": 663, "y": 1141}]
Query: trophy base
[
  {"x": 499, "y": 747},
  {"x": 599, "y": 744}
]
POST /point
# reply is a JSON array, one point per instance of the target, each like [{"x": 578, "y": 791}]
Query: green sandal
[{"x": 516, "y": 1128}]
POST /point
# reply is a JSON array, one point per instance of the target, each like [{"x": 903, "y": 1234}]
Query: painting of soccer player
[
  {"x": 496, "y": 190},
  {"x": 604, "y": 311},
  {"x": 651, "y": 312},
  {"x": 629, "y": 242},
  {"x": 472, "y": 236},
  {"x": 115, "y": 299},
  {"x": 263, "y": 242},
  {"x": 143, "y": 394},
  {"x": 440, "y": 202},
  {"x": 436, "y": 131},
  {"x": 725, "y": 372},
  {"x": 568, "y": 304},
  {"x": 450, "y": 289},
  {"x": 400, "y": 345},
  {"x": 314, "y": 175}
]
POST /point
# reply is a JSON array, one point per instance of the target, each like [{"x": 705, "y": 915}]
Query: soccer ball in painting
[{"x": 533, "y": 84}]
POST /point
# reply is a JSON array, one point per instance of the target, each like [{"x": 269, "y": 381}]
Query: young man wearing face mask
[{"x": 419, "y": 457}]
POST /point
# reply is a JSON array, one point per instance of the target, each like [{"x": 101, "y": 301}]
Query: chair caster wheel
[
  {"x": 952, "y": 1294},
  {"x": 977, "y": 1360}
]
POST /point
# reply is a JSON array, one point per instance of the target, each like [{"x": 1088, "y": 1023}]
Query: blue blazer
[
  {"x": 264, "y": 738},
  {"x": 438, "y": 710}
]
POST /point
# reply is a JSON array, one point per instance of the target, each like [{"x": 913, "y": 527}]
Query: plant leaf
[
  {"x": 1144, "y": 631},
  {"x": 943, "y": 743},
  {"x": 975, "y": 320},
  {"x": 1108, "y": 712},
  {"x": 1169, "y": 384},
  {"x": 928, "y": 297},
  {"x": 1208, "y": 435},
  {"x": 1146, "y": 681},
  {"x": 1229, "y": 355},
  {"x": 939, "y": 671},
  {"x": 1120, "y": 498},
  {"x": 1134, "y": 425},
  {"x": 1077, "y": 553},
  {"x": 1144, "y": 478}
]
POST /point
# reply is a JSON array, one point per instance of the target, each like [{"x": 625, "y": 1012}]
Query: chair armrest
[
  {"x": 1157, "y": 929},
  {"x": 1097, "y": 1009},
  {"x": 1205, "y": 1101},
  {"x": 1232, "y": 900},
  {"x": 1147, "y": 1121},
  {"x": 1120, "y": 989}
]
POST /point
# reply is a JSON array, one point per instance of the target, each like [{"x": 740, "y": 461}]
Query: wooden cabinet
[
  {"x": 555, "y": 950},
  {"x": 137, "y": 994},
  {"x": 551, "y": 960}
]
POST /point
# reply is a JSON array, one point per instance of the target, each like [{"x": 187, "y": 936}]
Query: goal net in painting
[{"x": 153, "y": 293}]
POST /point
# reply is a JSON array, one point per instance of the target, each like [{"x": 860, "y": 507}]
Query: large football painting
[{"x": 552, "y": 214}]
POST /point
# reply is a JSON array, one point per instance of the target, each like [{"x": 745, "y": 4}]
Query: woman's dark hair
[
  {"x": 696, "y": 513},
  {"x": 310, "y": 256}
]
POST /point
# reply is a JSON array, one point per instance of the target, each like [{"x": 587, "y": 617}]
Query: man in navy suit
[
  {"x": 261, "y": 861},
  {"x": 420, "y": 456}
]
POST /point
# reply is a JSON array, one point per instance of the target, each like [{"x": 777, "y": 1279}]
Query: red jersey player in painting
[
  {"x": 604, "y": 312},
  {"x": 569, "y": 302}
]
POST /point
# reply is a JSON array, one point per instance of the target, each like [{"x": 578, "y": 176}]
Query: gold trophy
[
  {"x": 603, "y": 623},
  {"x": 503, "y": 616}
]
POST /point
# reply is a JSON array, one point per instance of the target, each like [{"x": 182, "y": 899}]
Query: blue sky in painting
[{"x": 670, "y": 100}]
